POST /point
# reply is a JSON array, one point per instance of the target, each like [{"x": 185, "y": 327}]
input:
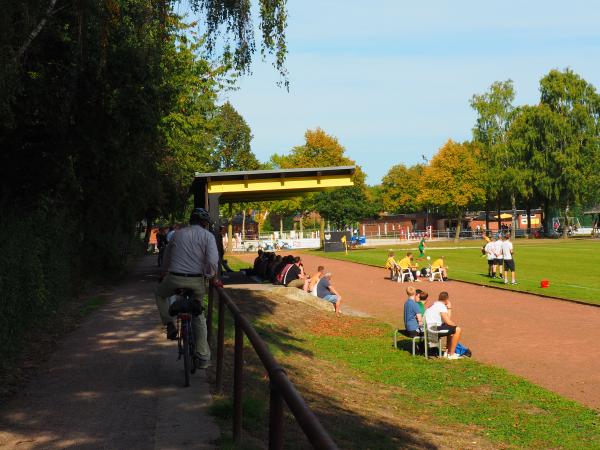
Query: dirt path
[
  {"x": 113, "y": 383},
  {"x": 550, "y": 342}
]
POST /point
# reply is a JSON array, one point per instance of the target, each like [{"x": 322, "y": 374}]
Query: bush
[{"x": 37, "y": 270}]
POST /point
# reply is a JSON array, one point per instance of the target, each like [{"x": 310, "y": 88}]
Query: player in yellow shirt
[
  {"x": 392, "y": 266},
  {"x": 439, "y": 264},
  {"x": 408, "y": 263}
]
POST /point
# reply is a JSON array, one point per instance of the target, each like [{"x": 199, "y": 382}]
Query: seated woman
[{"x": 392, "y": 266}]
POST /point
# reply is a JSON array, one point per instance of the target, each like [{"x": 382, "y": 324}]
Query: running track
[{"x": 552, "y": 343}]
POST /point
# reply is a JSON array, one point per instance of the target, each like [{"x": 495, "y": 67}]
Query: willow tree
[{"x": 453, "y": 180}]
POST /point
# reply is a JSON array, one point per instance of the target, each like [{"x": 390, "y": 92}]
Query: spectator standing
[
  {"x": 326, "y": 291},
  {"x": 498, "y": 258},
  {"x": 509, "y": 261},
  {"x": 491, "y": 257},
  {"x": 438, "y": 319},
  {"x": 161, "y": 244}
]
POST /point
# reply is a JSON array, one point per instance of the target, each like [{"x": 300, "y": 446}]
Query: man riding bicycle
[{"x": 190, "y": 257}]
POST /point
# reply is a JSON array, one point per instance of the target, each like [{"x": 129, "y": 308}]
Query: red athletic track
[{"x": 552, "y": 343}]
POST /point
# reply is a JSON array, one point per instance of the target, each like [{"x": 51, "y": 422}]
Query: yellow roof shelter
[{"x": 210, "y": 189}]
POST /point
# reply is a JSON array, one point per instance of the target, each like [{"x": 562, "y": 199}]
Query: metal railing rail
[{"x": 281, "y": 388}]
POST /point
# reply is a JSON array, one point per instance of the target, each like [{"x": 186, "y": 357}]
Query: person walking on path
[
  {"x": 190, "y": 258},
  {"x": 509, "y": 261}
]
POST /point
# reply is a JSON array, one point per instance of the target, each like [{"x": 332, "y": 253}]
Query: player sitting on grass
[{"x": 438, "y": 321}]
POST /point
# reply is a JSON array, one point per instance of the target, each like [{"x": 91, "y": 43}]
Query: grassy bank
[
  {"x": 572, "y": 266},
  {"x": 370, "y": 395}
]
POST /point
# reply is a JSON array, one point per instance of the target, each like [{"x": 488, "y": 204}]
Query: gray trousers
[{"x": 167, "y": 288}]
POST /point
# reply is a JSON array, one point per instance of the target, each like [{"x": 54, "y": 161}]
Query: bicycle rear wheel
[{"x": 186, "y": 354}]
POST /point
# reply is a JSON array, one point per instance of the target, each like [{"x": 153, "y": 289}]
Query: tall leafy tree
[
  {"x": 400, "y": 188},
  {"x": 495, "y": 111},
  {"x": 453, "y": 180},
  {"x": 232, "y": 147},
  {"x": 573, "y": 159}
]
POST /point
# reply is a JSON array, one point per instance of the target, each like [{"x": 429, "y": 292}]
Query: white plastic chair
[
  {"x": 436, "y": 273},
  {"x": 403, "y": 273},
  {"x": 432, "y": 338}
]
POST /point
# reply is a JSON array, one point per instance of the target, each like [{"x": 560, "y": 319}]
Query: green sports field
[{"x": 572, "y": 266}]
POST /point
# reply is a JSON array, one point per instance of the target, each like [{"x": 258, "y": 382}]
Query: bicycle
[{"x": 185, "y": 307}]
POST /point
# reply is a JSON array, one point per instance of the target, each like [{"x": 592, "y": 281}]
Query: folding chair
[{"x": 403, "y": 273}]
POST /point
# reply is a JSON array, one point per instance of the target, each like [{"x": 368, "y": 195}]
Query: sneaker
[
  {"x": 505, "y": 281},
  {"x": 201, "y": 362},
  {"x": 454, "y": 356},
  {"x": 514, "y": 283},
  {"x": 171, "y": 331}
]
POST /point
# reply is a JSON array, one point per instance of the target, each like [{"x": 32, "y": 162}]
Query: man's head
[
  {"x": 499, "y": 237},
  {"x": 390, "y": 254},
  {"x": 507, "y": 237},
  {"x": 297, "y": 260},
  {"x": 200, "y": 217},
  {"x": 410, "y": 291},
  {"x": 320, "y": 269},
  {"x": 443, "y": 297},
  {"x": 409, "y": 254},
  {"x": 260, "y": 252},
  {"x": 423, "y": 296},
  {"x": 328, "y": 275}
]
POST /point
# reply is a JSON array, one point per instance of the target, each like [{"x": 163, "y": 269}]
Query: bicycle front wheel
[{"x": 186, "y": 355}]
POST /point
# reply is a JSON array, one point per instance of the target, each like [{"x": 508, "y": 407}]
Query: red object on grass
[{"x": 545, "y": 283}]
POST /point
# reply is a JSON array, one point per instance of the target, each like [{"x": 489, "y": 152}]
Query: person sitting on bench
[
  {"x": 413, "y": 320},
  {"x": 439, "y": 321}
]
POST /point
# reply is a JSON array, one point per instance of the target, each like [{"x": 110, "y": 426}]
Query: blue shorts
[{"x": 331, "y": 298}]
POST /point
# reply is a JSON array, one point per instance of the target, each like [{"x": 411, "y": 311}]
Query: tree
[
  {"x": 495, "y": 112},
  {"x": 574, "y": 157},
  {"x": 236, "y": 18},
  {"x": 400, "y": 188},
  {"x": 453, "y": 180},
  {"x": 343, "y": 207},
  {"x": 232, "y": 148}
]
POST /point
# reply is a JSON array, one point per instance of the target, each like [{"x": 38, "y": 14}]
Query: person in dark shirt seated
[{"x": 294, "y": 277}]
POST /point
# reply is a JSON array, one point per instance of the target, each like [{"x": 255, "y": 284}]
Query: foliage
[
  {"x": 344, "y": 206},
  {"x": 400, "y": 188},
  {"x": 232, "y": 150},
  {"x": 453, "y": 179},
  {"x": 236, "y": 18}
]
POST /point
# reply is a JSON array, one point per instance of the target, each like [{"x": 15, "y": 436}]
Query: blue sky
[{"x": 392, "y": 79}]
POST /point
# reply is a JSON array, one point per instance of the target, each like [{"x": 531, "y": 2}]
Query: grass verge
[
  {"x": 572, "y": 266},
  {"x": 369, "y": 395}
]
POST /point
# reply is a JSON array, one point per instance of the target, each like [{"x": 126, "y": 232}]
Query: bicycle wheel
[{"x": 186, "y": 354}]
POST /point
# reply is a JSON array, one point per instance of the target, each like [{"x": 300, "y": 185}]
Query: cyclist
[{"x": 190, "y": 257}]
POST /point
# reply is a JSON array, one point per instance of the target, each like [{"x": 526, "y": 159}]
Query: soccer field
[{"x": 572, "y": 266}]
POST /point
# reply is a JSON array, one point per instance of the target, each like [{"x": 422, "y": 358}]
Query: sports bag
[{"x": 462, "y": 350}]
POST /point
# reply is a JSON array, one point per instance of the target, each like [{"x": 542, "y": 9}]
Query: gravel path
[
  {"x": 113, "y": 383},
  {"x": 549, "y": 342}
]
